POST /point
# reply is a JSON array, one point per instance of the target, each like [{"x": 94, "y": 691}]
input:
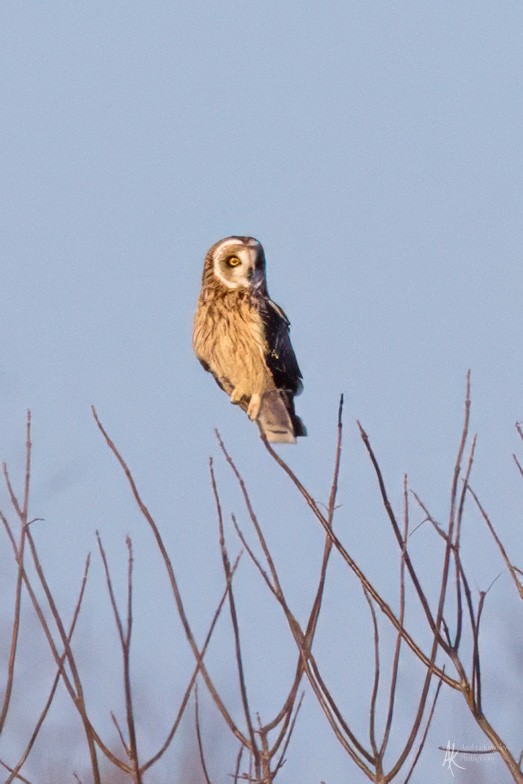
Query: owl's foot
[
  {"x": 253, "y": 409},
  {"x": 236, "y": 395}
]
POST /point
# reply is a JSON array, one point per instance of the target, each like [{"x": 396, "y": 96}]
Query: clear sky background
[{"x": 374, "y": 148}]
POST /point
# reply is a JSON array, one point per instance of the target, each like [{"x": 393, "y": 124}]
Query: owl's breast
[{"x": 229, "y": 336}]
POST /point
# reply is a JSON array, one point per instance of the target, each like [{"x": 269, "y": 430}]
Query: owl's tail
[{"x": 277, "y": 419}]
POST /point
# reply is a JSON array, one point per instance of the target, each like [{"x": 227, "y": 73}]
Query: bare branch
[
  {"x": 289, "y": 734},
  {"x": 410, "y": 567},
  {"x": 401, "y": 618},
  {"x": 443, "y": 534},
  {"x": 322, "y": 693},
  {"x": 375, "y": 687},
  {"x": 192, "y": 680},
  {"x": 22, "y": 516},
  {"x": 425, "y": 732},
  {"x": 49, "y": 701},
  {"x": 199, "y": 736},
  {"x": 382, "y": 604},
  {"x": 124, "y": 743},
  {"x": 15, "y": 627},
  {"x": 453, "y": 522},
  {"x": 238, "y": 763},
  {"x": 125, "y": 644},
  {"x": 76, "y": 692},
  {"x": 456, "y": 550},
  {"x": 512, "y": 569},
  {"x": 16, "y": 775},
  {"x": 253, "y": 748},
  {"x": 170, "y": 572}
]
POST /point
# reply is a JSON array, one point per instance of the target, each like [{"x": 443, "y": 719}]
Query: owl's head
[{"x": 236, "y": 263}]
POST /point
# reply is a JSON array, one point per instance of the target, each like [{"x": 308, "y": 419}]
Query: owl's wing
[{"x": 280, "y": 357}]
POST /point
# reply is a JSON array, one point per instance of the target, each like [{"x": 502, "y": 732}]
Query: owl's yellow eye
[{"x": 232, "y": 261}]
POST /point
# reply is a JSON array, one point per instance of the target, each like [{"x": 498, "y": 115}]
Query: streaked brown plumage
[{"x": 242, "y": 338}]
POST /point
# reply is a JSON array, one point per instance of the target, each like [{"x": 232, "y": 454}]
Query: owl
[{"x": 242, "y": 337}]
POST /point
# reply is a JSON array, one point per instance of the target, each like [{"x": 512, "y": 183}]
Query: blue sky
[{"x": 374, "y": 148}]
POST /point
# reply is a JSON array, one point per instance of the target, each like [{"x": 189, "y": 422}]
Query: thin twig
[
  {"x": 443, "y": 534},
  {"x": 22, "y": 515},
  {"x": 456, "y": 549},
  {"x": 22, "y": 512},
  {"x": 286, "y": 710},
  {"x": 59, "y": 672},
  {"x": 79, "y": 699},
  {"x": 199, "y": 735},
  {"x": 125, "y": 644},
  {"x": 192, "y": 680},
  {"x": 116, "y": 723},
  {"x": 289, "y": 734},
  {"x": 14, "y": 629},
  {"x": 238, "y": 763},
  {"x": 401, "y": 618},
  {"x": 396, "y": 529},
  {"x": 320, "y": 689},
  {"x": 375, "y": 686},
  {"x": 273, "y": 589},
  {"x": 253, "y": 747},
  {"x": 438, "y": 641},
  {"x": 425, "y": 732},
  {"x": 382, "y": 604},
  {"x": 476, "y": 662},
  {"x": 16, "y": 775},
  {"x": 499, "y": 543},
  {"x": 79, "y": 704},
  {"x": 322, "y": 693},
  {"x": 252, "y": 514},
  {"x": 171, "y": 575},
  {"x": 453, "y": 522}
]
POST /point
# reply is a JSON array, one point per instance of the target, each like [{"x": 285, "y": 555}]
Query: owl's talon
[
  {"x": 253, "y": 410},
  {"x": 236, "y": 395}
]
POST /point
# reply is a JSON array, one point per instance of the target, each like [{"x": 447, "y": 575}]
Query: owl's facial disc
[{"x": 235, "y": 263}]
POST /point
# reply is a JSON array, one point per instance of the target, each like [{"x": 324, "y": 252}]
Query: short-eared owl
[{"x": 242, "y": 337}]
